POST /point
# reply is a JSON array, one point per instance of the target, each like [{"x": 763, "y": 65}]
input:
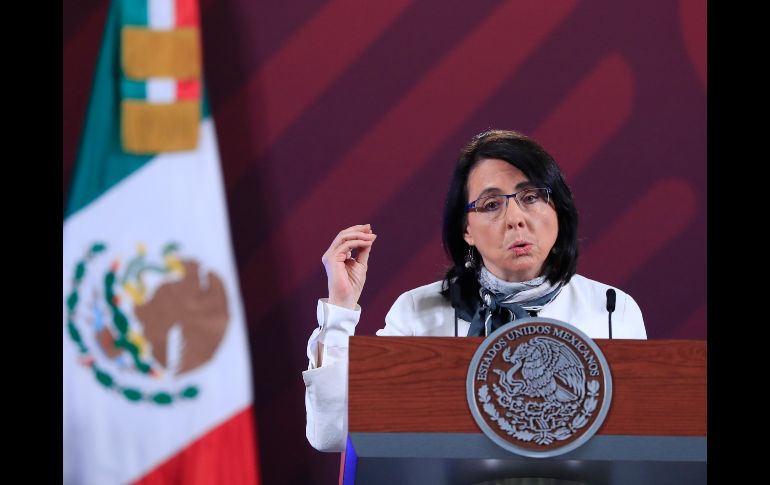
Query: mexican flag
[{"x": 156, "y": 372}]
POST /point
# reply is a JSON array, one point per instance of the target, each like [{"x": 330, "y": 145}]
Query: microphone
[{"x": 610, "y": 306}]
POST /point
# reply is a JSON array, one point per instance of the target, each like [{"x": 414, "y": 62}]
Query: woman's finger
[
  {"x": 356, "y": 228},
  {"x": 365, "y": 228},
  {"x": 347, "y": 236},
  {"x": 343, "y": 251},
  {"x": 363, "y": 253},
  {"x": 341, "y": 239}
]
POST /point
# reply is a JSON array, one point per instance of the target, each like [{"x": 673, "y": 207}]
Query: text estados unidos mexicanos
[{"x": 502, "y": 342}]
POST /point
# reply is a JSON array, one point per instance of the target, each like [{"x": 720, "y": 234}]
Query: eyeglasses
[{"x": 494, "y": 206}]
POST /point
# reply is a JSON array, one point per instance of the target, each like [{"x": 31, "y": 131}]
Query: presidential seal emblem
[
  {"x": 143, "y": 326},
  {"x": 539, "y": 387}
]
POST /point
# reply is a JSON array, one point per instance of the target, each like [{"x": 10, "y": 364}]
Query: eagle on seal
[{"x": 549, "y": 370}]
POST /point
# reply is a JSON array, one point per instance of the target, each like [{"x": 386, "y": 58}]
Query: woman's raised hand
[{"x": 345, "y": 263}]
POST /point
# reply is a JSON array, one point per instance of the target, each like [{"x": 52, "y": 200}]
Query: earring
[{"x": 470, "y": 261}]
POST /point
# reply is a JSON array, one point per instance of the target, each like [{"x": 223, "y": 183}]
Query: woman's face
[{"x": 515, "y": 246}]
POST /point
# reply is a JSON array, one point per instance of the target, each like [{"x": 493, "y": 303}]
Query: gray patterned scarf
[{"x": 504, "y": 301}]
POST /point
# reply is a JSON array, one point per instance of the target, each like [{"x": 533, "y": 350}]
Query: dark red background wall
[{"x": 339, "y": 112}]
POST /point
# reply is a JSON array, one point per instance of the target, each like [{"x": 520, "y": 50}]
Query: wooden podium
[{"x": 409, "y": 421}]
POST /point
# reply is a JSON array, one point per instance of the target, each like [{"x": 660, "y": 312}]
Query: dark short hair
[{"x": 541, "y": 169}]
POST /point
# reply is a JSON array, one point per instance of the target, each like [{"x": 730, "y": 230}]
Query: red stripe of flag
[
  {"x": 188, "y": 89},
  {"x": 187, "y": 13},
  {"x": 226, "y": 454}
]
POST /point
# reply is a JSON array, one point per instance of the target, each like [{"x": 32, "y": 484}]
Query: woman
[{"x": 510, "y": 229}]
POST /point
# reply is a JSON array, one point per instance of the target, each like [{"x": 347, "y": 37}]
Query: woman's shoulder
[
  {"x": 583, "y": 302},
  {"x": 594, "y": 293},
  {"x": 586, "y": 285},
  {"x": 419, "y": 311},
  {"x": 431, "y": 289},
  {"x": 423, "y": 297}
]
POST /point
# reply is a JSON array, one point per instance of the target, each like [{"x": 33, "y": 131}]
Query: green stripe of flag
[
  {"x": 134, "y": 12},
  {"x": 133, "y": 89}
]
